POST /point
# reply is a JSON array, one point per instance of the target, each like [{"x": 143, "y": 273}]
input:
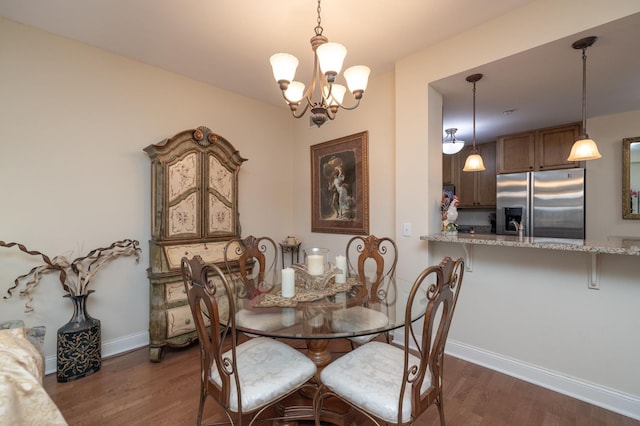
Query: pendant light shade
[
  {"x": 584, "y": 148},
  {"x": 474, "y": 161},
  {"x": 451, "y": 145}
]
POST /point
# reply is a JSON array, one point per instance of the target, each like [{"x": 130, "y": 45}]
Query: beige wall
[
  {"x": 528, "y": 312},
  {"x": 375, "y": 115},
  {"x": 73, "y": 123},
  {"x": 74, "y": 120}
]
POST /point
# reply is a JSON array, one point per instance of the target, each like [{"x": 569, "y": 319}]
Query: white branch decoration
[{"x": 76, "y": 275}]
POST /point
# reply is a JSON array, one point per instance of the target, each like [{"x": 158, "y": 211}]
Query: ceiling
[
  {"x": 228, "y": 44},
  {"x": 543, "y": 86}
]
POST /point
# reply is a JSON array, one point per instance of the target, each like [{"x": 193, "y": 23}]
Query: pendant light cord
[
  {"x": 584, "y": 93},
  {"x": 474, "y": 118}
]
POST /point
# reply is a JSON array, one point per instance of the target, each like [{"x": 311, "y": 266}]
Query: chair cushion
[
  {"x": 259, "y": 321},
  {"x": 370, "y": 377},
  {"x": 358, "y": 318},
  {"x": 268, "y": 369}
]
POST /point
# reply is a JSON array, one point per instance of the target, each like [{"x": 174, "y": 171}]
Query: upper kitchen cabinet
[
  {"x": 476, "y": 189},
  {"x": 449, "y": 169},
  {"x": 535, "y": 150}
]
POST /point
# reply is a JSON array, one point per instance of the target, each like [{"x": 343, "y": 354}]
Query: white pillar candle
[
  {"x": 288, "y": 317},
  {"x": 288, "y": 282},
  {"x": 315, "y": 264},
  {"x": 341, "y": 263}
]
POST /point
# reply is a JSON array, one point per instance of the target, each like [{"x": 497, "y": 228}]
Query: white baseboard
[
  {"x": 110, "y": 348},
  {"x": 610, "y": 399}
]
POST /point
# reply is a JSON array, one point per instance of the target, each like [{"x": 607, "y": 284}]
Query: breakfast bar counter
[{"x": 614, "y": 245}]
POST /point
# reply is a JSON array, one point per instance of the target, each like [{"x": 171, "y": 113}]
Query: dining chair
[
  {"x": 251, "y": 264},
  {"x": 406, "y": 380},
  {"x": 373, "y": 260},
  {"x": 246, "y": 378}
]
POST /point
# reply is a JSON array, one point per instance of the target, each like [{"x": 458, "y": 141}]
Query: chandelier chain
[{"x": 318, "y": 28}]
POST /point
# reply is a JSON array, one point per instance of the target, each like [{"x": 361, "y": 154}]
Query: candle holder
[
  {"x": 317, "y": 260},
  {"x": 309, "y": 281}
]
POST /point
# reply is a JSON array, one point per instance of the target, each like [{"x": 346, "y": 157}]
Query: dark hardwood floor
[{"x": 130, "y": 390}]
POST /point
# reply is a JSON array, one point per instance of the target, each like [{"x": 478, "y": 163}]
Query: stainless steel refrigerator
[{"x": 548, "y": 204}]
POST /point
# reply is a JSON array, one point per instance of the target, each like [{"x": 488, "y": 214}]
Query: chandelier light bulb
[
  {"x": 295, "y": 92},
  {"x": 357, "y": 78},
  {"x": 284, "y": 67},
  {"x": 331, "y": 57},
  {"x": 337, "y": 94}
]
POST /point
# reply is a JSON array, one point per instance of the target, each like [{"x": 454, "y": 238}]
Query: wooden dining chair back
[
  {"x": 370, "y": 256},
  {"x": 245, "y": 379},
  {"x": 253, "y": 261},
  {"x": 407, "y": 380}
]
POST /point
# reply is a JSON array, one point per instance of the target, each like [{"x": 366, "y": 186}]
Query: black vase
[{"x": 79, "y": 343}]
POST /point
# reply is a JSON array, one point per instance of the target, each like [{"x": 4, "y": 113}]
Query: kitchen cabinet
[
  {"x": 449, "y": 169},
  {"x": 194, "y": 211},
  {"x": 536, "y": 150},
  {"x": 474, "y": 189}
]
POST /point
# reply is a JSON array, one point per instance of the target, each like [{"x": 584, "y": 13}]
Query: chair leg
[
  {"x": 203, "y": 397},
  {"x": 440, "y": 405}
]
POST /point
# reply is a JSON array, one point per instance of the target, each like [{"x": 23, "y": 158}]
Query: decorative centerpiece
[
  {"x": 449, "y": 212},
  {"x": 311, "y": 281},
  {"x": 79, "y": 341}
]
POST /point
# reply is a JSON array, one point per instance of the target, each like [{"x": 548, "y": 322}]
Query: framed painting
[{"x": 340, "y": 185}]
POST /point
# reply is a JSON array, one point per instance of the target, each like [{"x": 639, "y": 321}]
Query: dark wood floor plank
[{"x": 131, "y": 390}]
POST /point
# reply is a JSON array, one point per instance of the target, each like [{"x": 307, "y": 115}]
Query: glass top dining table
[{"x": 337, "y": 311}]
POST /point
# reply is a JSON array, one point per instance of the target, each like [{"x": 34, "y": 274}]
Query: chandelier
[
  {"x": 327, "y": 63},
  {"x": 451, "y": 145}
]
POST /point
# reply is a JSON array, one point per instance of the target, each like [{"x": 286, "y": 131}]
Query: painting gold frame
[
  {"x": 630, "y": 179},
  {"x": 340, "y": 185}
]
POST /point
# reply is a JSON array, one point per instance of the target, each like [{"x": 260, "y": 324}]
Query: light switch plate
[{"x": 406, "y": 229}]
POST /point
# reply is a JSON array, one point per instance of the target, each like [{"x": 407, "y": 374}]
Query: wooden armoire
[{"x": 194, "y": 211}]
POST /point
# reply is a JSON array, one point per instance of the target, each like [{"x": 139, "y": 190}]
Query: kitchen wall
[{"x": 499, "y": 321}]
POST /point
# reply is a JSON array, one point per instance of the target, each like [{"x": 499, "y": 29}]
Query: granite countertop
[{"x": 614, "y": 245}]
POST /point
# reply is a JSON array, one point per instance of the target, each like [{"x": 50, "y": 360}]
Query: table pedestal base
[{"x": 299, "y": 407}]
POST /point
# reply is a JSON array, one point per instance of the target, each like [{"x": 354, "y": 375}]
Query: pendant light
[
  {"x": 474, "y": 161},
  {"x": 451, "y": 145},
  {"x": 584, "y": 148}
]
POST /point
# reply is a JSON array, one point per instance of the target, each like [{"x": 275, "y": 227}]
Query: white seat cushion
[
  {"x": 358, "y": 318},
  {"x": 259, "y": 321},
  {"x": 268, "y": 369},
  {"x": 370, "y": 377}
]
